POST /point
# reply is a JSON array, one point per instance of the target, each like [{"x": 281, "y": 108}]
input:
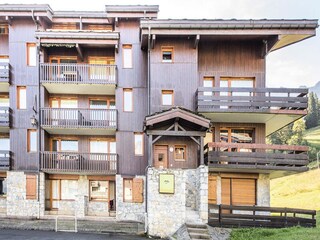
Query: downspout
[
  {"x": 39, "y": 121},
  {"x": 149, "y": 111},
  {"x": 34, "y": 20}
]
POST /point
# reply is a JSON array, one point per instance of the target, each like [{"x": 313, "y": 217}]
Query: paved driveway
[{"x": 47, "y": 235}]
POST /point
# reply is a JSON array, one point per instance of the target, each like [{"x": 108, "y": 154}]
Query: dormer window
[
  {"x": 167, "y": 54},
  {"x": 4, "y": 29}
]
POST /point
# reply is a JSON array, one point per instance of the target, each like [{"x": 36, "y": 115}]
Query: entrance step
[
  {"x": 198, "y": 231},
  {"x": 192, "y": 216}
]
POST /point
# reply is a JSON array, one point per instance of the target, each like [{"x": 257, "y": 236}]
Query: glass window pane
[
  {"x": 4, "y": 102},
  {"x": 69, "y": 189},
  {"x": 127, "y": 190},
  {"x": 98, "y": 147},
  {"x": 138, "y": 144},
  {"x": 127, "y": 56},
  {"x": 22, "y": 93},
  {"x": 127, "y": 98},
  {"x": 69, "y": 103},
  {"x": 167, "y": 98},
  {"x": 5, "y": 144},
  {"x": 98, "y": 104},
  {"x": 32, "y": 141},
  {"x": 69, "y": 145},
  {"x": 32, "y": 55},
  {"x": 113, "y": 147},
  {"x": 99, "y": 190}
]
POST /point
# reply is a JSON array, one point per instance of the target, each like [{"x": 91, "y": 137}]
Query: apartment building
[{"x": 119, "y": 114}]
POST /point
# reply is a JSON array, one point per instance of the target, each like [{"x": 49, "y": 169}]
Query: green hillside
[{"x": 312, "y": 135}]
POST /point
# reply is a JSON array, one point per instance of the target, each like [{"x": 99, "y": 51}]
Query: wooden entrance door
[{"x": 160, "y": 156}]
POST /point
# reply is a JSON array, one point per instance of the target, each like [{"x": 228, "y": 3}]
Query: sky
[{"x": 293, "y": 66}]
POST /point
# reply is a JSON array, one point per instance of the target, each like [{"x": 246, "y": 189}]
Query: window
[
  {"x": 3, "y": 186},
  {"x": 69, "y": 189},
  {"x": 31, "y": 54},
  {"x": 22, "y": 97},
  {"x": 127, "y": 100},
  {"x": 208, "y": 82},
  {"x": 167, "y": 97},
  {"x": 167, "y": 54},
  {"x": 180, "y": 153},
  {"x": 99, "y": 190},
  {"x": 98, "y": 27},
  {"x": 64, "y": 145},
  {"x": 127, "y": 55},
  {"x": 138, "y": 144},
  {"x": 32, "y": 140},
  {"x": 133, "y": 190},
  {"x": 4, "y": 144},
  {"x": 31, "y": 187},
  {"x": 4, "y": 29},
  {"x": 64, "y": 26},
  {"x": 237, "y": 135}
]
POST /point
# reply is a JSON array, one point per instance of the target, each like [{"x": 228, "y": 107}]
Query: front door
[{"x": 160, "y": 156}]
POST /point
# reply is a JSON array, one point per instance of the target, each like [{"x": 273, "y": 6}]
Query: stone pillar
[
  {"x": 263, "y": 190},
  {"x": 81, "y": 206},
  {"x": 203, "y": 193}
]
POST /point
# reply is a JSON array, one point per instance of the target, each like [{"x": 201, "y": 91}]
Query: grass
[
  {"x": 312, "y": 136},
  {"x": 295, "y": 191}
]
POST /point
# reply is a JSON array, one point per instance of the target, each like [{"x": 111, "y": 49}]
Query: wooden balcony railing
[
  {"x": 4, "y": 72},
  {"x": 5, "y": 160},
  {"x": 256, "y": 156},
  {"x": 5, "y": 113},
  {"x": 218, "y": 99},
  {"x": 78, "y": 118},
  {"x": 103, "y": 163},
  {"x": 78, "y": 73},
  {"x": 254, "y": 216}
]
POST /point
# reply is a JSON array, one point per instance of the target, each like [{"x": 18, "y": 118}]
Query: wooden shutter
[
  {"x": 225, "y": 191},
  {"x": 212, "y": 189},
  {"x": 31, "y": 186},
  {"x": 137, "y": 190},
  {"x": 243, "y": 192}
]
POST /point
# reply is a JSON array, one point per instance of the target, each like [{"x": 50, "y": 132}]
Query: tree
[
  {"x": 312, "y": 118},
  {"x": 297, "y": 133},
  {"x": 282, "y": 136}
]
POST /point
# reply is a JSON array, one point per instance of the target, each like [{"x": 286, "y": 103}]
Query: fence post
[
  {"x": 220, "y": 215},
  {"x": 286, "y": 219}
]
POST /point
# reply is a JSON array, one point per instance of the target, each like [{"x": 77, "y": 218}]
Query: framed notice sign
[{"x": 166, "y": 183}]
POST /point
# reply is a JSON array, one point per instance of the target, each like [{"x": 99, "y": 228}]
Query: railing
[
  {"x": 254, "y": 216},
  {"x": 5, "y": 116},
  {"x": 218, "y": 99},
  {"x": 78, "y": 73},
  {"x": 5, "y": 160},
  {"x": 4, "y": 72},
  {"x": 256, "y": 156},
  {"x": 79, "y": 162},
  {"x": 79, "y": 118}
]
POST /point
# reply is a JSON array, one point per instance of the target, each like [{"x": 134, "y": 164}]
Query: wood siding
[
  {"x": 4, "y": 44},
  {"x": 231, "y": 59}
]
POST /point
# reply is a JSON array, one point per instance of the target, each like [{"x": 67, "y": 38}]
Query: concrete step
[
  {"x": 197, "y": 230},
  {"x": 199, "y": 236}
]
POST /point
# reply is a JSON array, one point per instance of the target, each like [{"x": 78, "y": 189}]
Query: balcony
[
  {"x": 5, "y": 113},
  {"x": 4, "y": 77},
  {"x": 278, "y": 160},
  {"x": 65, "y": 78},
  {"x": 77, "y": 162},
  {"x": 276, "y": 107},
  {"x": 79, "y": 121},
  {"x": 5, "y": 160}
]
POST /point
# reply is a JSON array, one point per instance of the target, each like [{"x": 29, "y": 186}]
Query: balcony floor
[
  {"x": 80, "y": 131},
  {"x": 273, "y": 120},
  {"x": 73, "y": 88}
]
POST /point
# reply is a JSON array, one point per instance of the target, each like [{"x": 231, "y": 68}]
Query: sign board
[{"x": 166, "y": 183}]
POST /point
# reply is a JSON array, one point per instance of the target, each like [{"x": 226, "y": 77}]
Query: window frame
[
  {"x": 31, "y": 45},
  {"x": 167, "y": 49},
  {"x": 59, "y": 139},
  {"x": 33, "y": 178},
  {"x": 185, "y": 153},
  {"x": 124, "y": 196},
  {"x": 19, "y": 97},
  {"x": 142, "y": 143},
  {"x": 123, "y": 99},
  {"x": 127, "y": 46},
  {"x": 6, "y": 29},
  {"x": 3, "y": 180},
  {"x": 29, "y": 131},
  {"x": 167, "y": 92}
]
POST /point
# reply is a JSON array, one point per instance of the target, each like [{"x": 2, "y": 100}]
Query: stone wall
[
  {"x": 192, "y": 187},
  {"x": 126, "y": 210},
  {"x": 166, "y": 212},
  {"x": 202, "y": 192},
  {"x": 66, "y": 207},
  {"x": 3, "y": 205},
  {"x": 96, "y": 208},
  {"x": 17, "y": 204},
  {"x": 263, "y": 190}
]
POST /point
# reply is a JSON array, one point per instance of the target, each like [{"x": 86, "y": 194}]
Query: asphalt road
[{"x": 47, "y": 235}]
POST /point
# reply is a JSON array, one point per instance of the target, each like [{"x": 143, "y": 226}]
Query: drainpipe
[
  {"x": 34, "y": 20},
  {"x": 149, "y": 111},
  {"x": 39, "y": 121}
]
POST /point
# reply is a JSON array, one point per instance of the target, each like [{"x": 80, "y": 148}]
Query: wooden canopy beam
[
  {"x": 176, "y": 133},
  {"x": 157, "y": 138}
]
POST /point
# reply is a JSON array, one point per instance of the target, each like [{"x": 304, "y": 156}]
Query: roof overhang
[
  {"x": 37, "y": 11},
  {"x": 132, "y": 11},
  {"x": 81, "y": 16},
  {"x": 175, "y": 114},
  {"x": 286, "y": 31},
  {"x": 78, "y": 37}
]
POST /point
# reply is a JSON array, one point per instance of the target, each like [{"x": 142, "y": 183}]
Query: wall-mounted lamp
[{"x": 34, "y": 121}]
